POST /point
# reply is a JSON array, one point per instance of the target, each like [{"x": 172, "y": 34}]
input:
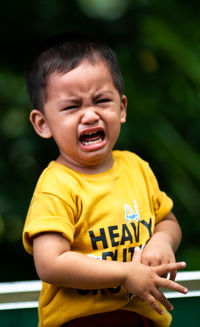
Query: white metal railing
[{"x": 24, "y": 295}]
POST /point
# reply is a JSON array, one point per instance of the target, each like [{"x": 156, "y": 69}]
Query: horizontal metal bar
[
  {"x": 175, "y": 295},
  {"x": 21, "y": 287},
  {"x": 19, "y": 305},
  {"x": 34, "y": 304},
  {"x": 188, "y": 275},
  {"x": 36, "y": 285},
  {"x": 25, "y": 294}
]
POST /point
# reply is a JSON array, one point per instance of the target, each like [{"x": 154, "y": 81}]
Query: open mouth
[{"x": 92, "y": 137}]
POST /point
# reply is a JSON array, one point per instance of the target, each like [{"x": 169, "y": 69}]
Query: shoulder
[
  {"x": 55, "y": 178},
  {"x": 130, "y": 159}
]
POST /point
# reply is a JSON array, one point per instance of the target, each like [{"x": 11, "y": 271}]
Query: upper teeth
[{"x": 90, "y": 133}]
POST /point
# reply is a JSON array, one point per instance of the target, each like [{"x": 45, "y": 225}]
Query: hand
[
  {"x": 158, "y": 252},
  {"x": 145, "y": 281}
]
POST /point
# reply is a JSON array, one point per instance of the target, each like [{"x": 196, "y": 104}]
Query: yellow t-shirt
[{"x": 104, "y": 216}]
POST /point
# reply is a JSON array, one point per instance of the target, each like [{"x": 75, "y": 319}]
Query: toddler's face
[{"x": 83, "y": 114}]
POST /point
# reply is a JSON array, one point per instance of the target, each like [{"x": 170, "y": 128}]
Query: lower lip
[{"x": 93, "y": 146}]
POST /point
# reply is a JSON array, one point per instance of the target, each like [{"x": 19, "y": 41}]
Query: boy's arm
[
  {"x": 57, "y": 264},
  {"x": 164, "y": 242}
]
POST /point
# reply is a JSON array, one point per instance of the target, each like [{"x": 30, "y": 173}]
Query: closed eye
[
  {"x": 70, "y": 107},
  {"x": 103, "y": 100}
]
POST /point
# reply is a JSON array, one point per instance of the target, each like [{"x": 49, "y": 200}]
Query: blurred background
[{"x": 158, "y": 46}]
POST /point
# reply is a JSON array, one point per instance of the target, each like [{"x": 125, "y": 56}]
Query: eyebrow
[
  {"x": 102, "y": 93},
  {"x": 68, "y": 100},
  {"x": 77, "y": 99}
]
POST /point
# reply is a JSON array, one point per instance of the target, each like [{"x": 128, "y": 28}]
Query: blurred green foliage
[{"x": 158, "y": 46}]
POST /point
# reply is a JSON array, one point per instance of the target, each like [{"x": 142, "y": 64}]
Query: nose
[{"x": 89, "y": 116}]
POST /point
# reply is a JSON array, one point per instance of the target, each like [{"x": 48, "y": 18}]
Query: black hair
[{"x": 63, "y": 53}]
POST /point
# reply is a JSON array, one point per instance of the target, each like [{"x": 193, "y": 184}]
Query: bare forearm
[
  {"x": 57, "y": 264},
  {"x": 75, "y": 270},
  {"x": 169, "y": 230}
]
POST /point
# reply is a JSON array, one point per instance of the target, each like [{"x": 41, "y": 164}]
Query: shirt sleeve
[{"x": 48, "y": 213}]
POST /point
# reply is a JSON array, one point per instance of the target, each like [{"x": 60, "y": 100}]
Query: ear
[
  {"x": 40, "y": 124},
  {"x": 123, "y": 108}
]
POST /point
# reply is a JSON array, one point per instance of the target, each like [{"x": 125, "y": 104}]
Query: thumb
[{"x": 137, "y": 256}]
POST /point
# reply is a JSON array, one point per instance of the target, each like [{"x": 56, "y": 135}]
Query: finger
[
  {"x": 145, "y": 261},
  {"x": 166, "y": 268},
  {"x": 162, "y": 299},
  {"x": 150, "y": 260},
  {"x": 173, "y": 275},
  {"x": 137, "y": 255},
  {"x": 164, "y": 276},
  {"x": 152, "y": 301},
  {"x": 155, "y": 262},
  {"x": 169, "y": 284}
]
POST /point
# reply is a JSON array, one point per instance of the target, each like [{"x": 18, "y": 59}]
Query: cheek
[
  {"x": 62, "y": 135},
  {"x": 114, "y": 129},
  {"x": 115, "y": 120}
]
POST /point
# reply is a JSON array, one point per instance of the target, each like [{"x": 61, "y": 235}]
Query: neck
[{"x": 86, "y": 169}]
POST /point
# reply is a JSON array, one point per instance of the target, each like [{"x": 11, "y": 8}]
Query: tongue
[{"x": 92, "y": 137}]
